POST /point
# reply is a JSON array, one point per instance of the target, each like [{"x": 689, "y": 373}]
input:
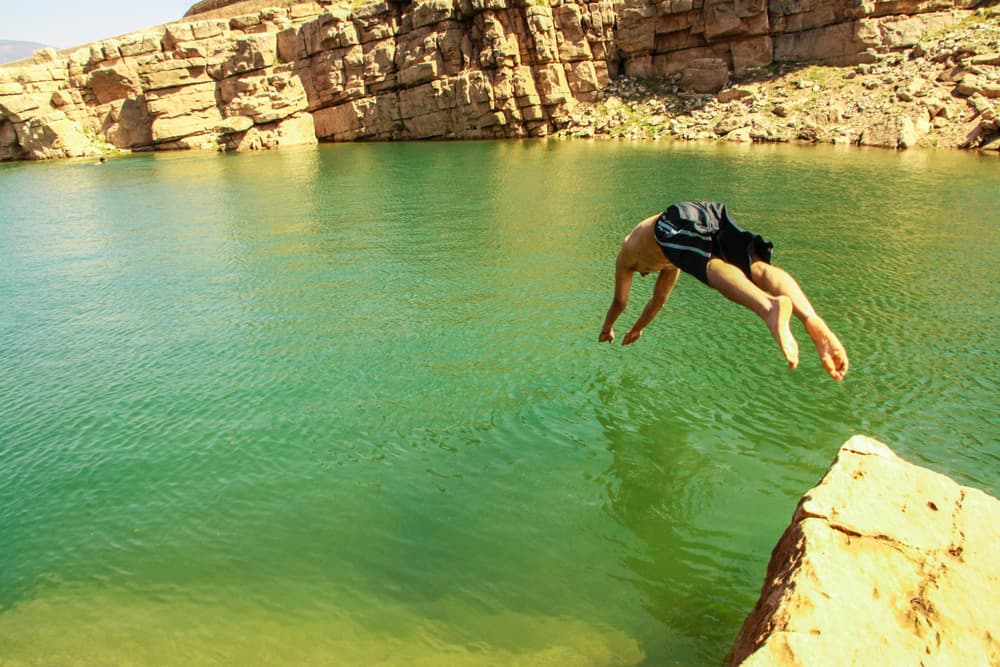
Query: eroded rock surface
[
  {"x": 450, "y": 69},
  {"x": 938, "y": 92},
  {"x": 884, "y": 563}
]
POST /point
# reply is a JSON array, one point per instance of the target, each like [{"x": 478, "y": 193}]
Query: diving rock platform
[{"x": 884, "y": 563}]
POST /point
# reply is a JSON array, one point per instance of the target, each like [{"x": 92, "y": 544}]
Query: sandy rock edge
[{"x": 884, "y": 562}]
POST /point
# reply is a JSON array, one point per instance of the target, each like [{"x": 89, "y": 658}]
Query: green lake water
[{"x": 345, "y": 405}]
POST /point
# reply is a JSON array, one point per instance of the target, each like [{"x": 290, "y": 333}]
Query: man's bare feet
[
  {"x": 832, "y": 354},
  {"x": 778, "y": 322}
]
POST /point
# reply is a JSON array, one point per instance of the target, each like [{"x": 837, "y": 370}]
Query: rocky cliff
[
  {"x": 246, "y": 76},
  {"x": 884, "y": 563},
  {"x": 940, "y": 92}
]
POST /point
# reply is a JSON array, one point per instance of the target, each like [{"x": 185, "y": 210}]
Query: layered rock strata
[
  {"x": 942, "y": 92},
  {"x": 884, "y": 563},
  {"x": 312, "y": 70}
]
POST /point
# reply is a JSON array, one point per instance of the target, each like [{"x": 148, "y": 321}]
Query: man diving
[{"x": 701, "y": 238}]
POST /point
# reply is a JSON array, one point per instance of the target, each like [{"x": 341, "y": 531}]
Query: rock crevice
[{"x": 242, "y": 75}]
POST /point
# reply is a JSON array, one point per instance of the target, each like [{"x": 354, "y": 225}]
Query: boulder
[
  {"x": 109, "y": 84},
  {"x": 890, "y": 132},
  {"x": 742, "y": 135},
  {"x": 10, "y": 147},
  {"x": 45, "y": 55},
  {"x": 989, "y": 58},
  {"x": 584, "y": 80},
  {"x": 128, "y": 124},
  {"x": 140, "y": 43},
  {"x": 296, "y": 130},
  {"x": 234, "y": 125},
  {"x": 355, "y": 119},
  {"x": 19, "y": 108},
  {"x": 194, "y": 124},
  {"x": 184, "y": 111},
  {"x": 705, "y": 75},
  {"x": 209, "y": 29},
  {"x": 884, "y": 563},
  {"x": 730, "y": 123},
  {"x": 733, "y": 95},
  {"x": 54, "y": 135},
  {"x": 971, "y": 84},
  {"x": 551, "y": 83},
  {"x": 252, "y": 52},
  {"x": 293, "y": 131},
  {"x": 263, "y": 96}
]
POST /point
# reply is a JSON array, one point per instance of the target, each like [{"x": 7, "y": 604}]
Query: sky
[{"x": 65, "y": 23}]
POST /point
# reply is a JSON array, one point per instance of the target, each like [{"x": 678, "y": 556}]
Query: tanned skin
[{"x": 771, "y": 293}]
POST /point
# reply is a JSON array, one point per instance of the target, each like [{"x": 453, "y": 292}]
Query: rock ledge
[
  {"x": 268, "y": 73},
  {"x": 885, "y": 563}
]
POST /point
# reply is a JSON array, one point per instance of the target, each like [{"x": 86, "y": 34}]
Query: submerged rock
[{"x": 884, "y": 563}]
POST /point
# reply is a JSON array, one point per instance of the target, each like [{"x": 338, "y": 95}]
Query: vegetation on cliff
[
  {"x": 943, "y": 91},
  {"x": 897, "y": 74}
]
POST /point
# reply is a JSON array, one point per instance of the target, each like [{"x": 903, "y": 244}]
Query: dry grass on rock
[{"x": 942, "y": 92}]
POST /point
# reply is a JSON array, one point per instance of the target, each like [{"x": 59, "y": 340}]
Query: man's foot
[
  {"x": 778, "y": 322},
  {"x": 832, "y": 354}
]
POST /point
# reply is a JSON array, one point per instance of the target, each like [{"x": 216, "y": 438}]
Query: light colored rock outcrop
[
  {"x": 937, "y": 93},
  {"x": 884, "y": 563},
  {"x": 431, "y": 69}
]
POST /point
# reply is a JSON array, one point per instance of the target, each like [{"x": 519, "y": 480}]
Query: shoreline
[
  {"x": 282, "y": 78},
  {"x": 942, "y": 92}
]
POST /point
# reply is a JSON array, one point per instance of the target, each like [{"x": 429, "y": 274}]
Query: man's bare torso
[{"x": 640, "y": 251}]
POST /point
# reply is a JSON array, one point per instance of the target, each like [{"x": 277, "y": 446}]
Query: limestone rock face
[
  {"x": 884, "y": 563},
  {"x": 54, "y": 136},
  {"x": 434, "y": 69}
]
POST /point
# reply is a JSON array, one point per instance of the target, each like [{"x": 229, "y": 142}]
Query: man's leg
[
  {"x": 779, "y": 282},
  {"x": 775, "y": 310}
]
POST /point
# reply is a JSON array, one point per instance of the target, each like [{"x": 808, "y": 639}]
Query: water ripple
[{"x": 360, "y": 399}]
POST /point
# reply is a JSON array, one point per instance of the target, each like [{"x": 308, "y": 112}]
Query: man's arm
[
  {"x": 661, "y": 291},
  {"x": 623, "y": 284}
]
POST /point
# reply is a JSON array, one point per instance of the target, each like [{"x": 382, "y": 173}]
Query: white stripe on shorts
[{"x": 677, "y": 246}]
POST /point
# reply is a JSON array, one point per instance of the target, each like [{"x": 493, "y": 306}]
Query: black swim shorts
[{"x": 690, "y": 233}]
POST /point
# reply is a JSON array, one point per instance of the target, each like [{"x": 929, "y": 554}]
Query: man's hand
[
  {"x": 631, "y": 336},
  {"x": 607, "y": 336}
]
